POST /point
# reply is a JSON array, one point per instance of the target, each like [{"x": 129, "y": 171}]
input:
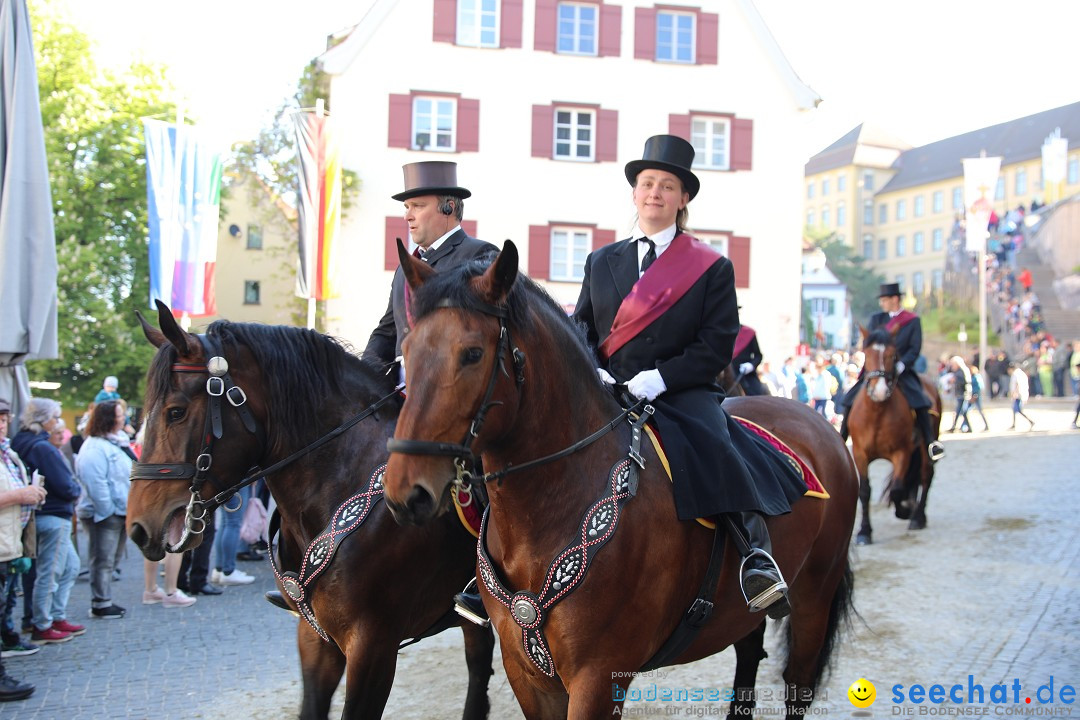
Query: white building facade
[{"x": 541, "y": 103}]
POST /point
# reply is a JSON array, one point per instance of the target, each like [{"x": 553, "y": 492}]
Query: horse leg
[
  {"x": 749, "y": 652},
  {"x": 369, "y": 675},
  {"x": 535, "y": 703},
  {"x": 926, "y": 476},
  {"x": 321, "y": 667},
  {"x": 899, "y": 493},
  {"x": 865, "y": 536},
  {"x": 479, "y": 649}
]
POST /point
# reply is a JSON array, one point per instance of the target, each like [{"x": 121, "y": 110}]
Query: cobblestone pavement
[{"x": 989, "y": 589}]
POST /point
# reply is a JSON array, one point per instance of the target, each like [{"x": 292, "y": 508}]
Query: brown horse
[
  {"x": 493, "y": 359},
  {"x": 882, "y": 426},
  {"x": 385, "y": 583}
]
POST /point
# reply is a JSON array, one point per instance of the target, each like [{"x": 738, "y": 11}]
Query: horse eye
[
  {"x": 471, "y": 356},
  {"x": 176, "y": 414}
]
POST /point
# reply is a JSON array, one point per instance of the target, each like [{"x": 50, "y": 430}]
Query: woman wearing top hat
[
  {"x": 907, "y": 339},
  {"x": 660, "y": 309}
]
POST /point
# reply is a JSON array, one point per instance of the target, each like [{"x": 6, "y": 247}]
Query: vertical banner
[
  {"x": 319, "y": 157},
  {"x": 1055, "y": 151},
  {"x": 980, "y": 180},
  {"x": 183, "y": 186}
]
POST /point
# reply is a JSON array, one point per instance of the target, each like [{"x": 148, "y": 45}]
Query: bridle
[
  {"x": 890, "y": 378},
  {"x": 466, "y": 462},
  {"x": 220, "y": 385}
]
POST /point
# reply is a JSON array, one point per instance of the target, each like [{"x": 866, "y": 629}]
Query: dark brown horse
[
  {"x": 385, "y": 583},
  {"x": 492, "y": 359},
  {"x": 882, "y": 426}
]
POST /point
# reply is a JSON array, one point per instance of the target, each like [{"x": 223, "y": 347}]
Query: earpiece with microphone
[{"x": 447, "y": 208}]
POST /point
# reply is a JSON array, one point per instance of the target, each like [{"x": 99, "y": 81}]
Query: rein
[{"x": 889, "y": 378}]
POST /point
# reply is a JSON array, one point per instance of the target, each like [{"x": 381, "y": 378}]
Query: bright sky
[{"x": 920, "y": 69}]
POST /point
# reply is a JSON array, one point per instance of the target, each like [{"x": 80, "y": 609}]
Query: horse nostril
[
  {"x": 138, "y": 535},
  {"x": 420, "y": 505}
]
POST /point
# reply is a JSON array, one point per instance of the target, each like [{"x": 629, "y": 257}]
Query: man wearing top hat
[
  {"x": 907, "y": 339},
  {"x": 433, "y": 209},
  {"x": 661, "y": 312}
]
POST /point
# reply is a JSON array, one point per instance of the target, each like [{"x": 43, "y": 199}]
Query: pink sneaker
[
  {"x": 70, "y": 628},
  {"x": 152, "y": 598},
  {"x": 177, "y": 599},
  {"x": 50, "y": 635}
]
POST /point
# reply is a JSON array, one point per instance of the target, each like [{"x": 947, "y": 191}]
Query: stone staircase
[{"x": 1062, "y": 323}]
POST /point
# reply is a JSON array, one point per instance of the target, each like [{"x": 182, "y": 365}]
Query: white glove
[
  {"x": 400, "y": 359},
  {"x": 900, "y": 367},
  {"x": 746, "y": 368},
  {"x": 605, "y": 376},
  {"x": 646, "y": 385}
]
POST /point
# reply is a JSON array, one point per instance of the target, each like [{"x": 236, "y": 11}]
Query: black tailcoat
[{"x": 908, "y": 342}]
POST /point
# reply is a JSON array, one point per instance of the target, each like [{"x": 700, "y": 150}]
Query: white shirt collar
[
  {"x": 662, "y": 240},
  {"x": 435, "y": 245}
]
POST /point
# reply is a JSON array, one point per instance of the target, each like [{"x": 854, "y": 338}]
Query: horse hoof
[
  {"x": 917, "y": 525},
  {"x": 863, "y": 539},
  {"x": 903, "y": 512}
]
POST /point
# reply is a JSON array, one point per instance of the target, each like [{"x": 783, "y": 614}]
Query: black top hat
[
  {"x": 670, "y": 153},
  {"x": 889, "y": 289},
  {"x": 431, "y": 177}
]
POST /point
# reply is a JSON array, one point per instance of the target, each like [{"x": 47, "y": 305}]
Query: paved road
[{"x": 990, "y": 589}]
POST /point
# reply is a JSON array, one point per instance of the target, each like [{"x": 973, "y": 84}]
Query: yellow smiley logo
[{"x": 862, "y": 693}]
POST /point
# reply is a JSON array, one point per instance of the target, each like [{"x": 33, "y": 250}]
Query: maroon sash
[
  {"x": 667, "y": 280},
  {"x": 746, "y": 334},
  {"x": 901, "y": 319}
]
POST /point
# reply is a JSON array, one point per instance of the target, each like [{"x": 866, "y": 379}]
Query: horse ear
[
  {"x": 155, "y": 336},
  {"x": 495, "y": 284},
  {"x": 863, "y": 331},
  {"x": 184, "y": 342},
  {"x": 416, "y": 270}
]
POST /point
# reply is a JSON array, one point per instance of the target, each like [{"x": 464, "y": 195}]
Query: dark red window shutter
[
  {"x": 445, "y": 22},
  {"x": 708, "y": 38},
  {"x": 468, "y": 117},
  {"x": 545, "y": 36},
  {"x": 399, "y": 134},
  {"x": 510, "y": 24},
  {"x": 645, "y": 33},
  {"x": 607, "y": 135},
  {"x": 610, "y": 30},
  {"x": 543, "y": 129},
  {"x": 539, "y": 252},
  {"x": 600, "y": 238},
  {"x": 679, "y": 125},
  {"x": 469, "y": 226},
  {"x": 742, "y": 143},
  {"x": 739, "y": 254},
  {"x": 396, "y": 227}
]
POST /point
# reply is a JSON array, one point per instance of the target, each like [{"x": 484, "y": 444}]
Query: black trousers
[{"x": 195, "y": 567}]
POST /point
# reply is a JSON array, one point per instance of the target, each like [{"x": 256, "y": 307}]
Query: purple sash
[{"x": 901, "y": 319}]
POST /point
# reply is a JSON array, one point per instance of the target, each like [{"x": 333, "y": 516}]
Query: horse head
[{"x": 879, "y": 369}]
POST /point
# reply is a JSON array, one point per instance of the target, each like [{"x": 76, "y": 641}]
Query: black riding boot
[
  {"x": 934, "y": 449},
  {"x": 468, "y": 605},
  {"x": 275, "y": 598},
  {"x": 763, "y": 585},
  {"x": 843, "y": 427}
]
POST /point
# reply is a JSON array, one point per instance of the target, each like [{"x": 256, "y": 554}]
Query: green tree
[
  {"x": 95, "y": 148},
  {"x": 850, "y": 268}
]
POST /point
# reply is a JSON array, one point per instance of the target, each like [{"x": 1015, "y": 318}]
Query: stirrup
[
  {"x": 462, "y": 608},
  {"x": 770, "y": 595},
  {"x": 935, "y": 450}
]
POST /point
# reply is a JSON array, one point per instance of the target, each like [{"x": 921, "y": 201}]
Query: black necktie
[
  {"x": 650, "y": 256},
  {"x": 418, "y": 253}
]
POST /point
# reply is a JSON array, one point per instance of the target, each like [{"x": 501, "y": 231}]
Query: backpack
[{"x": 253, "y": 527}]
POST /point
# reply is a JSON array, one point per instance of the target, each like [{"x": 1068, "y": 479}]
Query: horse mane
[
  {"x": 878, "y": 336},
  {"x": 302, "y": 369}
]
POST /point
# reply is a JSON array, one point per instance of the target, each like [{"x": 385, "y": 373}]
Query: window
[
  {"x": 711, "y": 141},
  {"x": 478, "y": 23},
  {"x": 1073, "y": 173},
  {"x": 901, "y": 246},
  {"x": 810, "y": 190},
  {"x": 841, "y": 214},
  {"x": 918, "y": 240},
  {"x": 920, "y": 206},
  {"x": 825, "y": 186},
  {"x": 251, "y": 292},
  {"x": 868, "y": 247},
  {"x": 868, "y": 182},
  {"x": 999, "y": 191},
  {"x": 868, "y": 212},
  {"x": 675, "y": 37},
  {"x": 433, "y": 123},
  {"x": 899, "y": 279},
  {"x": 958, "y": 198},
  {"x": 937, "y": 279},
  {"x": 574, "y": 134},
  {"x": 901, "y": 209},
  {"x": 577, "y": 29},
  {"x": 810, "y": 218},
  {"x": 937, "y": 239},
  {"x": 841, "y": 183},
  {"x": 823, "y": 306},
  {"x": 826, "y": 216},
  {"x": 938, "y": 201},
  {"x": 1021, "y": 181},
  {"x": 569, "y": 248},
  {"x": 882, "y": 249},
  {"x": 882, "y": 214},
  {"x": 719, "y": 243},
  {"x": 254, "y": 237},
  {"x": 917, "y": 284}
]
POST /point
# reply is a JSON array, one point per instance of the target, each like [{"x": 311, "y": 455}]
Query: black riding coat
[
  {"x": 750, "y": 382},
  {"x": 908, "y": 342},
  {"x": 385, "y": 340},
  {"x": 689, "y": 344}
]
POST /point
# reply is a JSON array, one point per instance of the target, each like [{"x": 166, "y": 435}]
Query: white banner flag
[
  {"x": 980, "y": 182},
  {"x": 1055, "y": 153}
]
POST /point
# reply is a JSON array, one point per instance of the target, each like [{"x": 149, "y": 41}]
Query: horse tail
[{"x": 841, "y": 611}]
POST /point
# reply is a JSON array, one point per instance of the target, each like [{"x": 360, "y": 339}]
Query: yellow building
[{"x": 896, "y": 205}]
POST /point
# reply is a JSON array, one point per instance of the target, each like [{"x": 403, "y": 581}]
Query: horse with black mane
[
  {"x": 246, "y": 401},
  {"x": 585, "y": 569}
]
